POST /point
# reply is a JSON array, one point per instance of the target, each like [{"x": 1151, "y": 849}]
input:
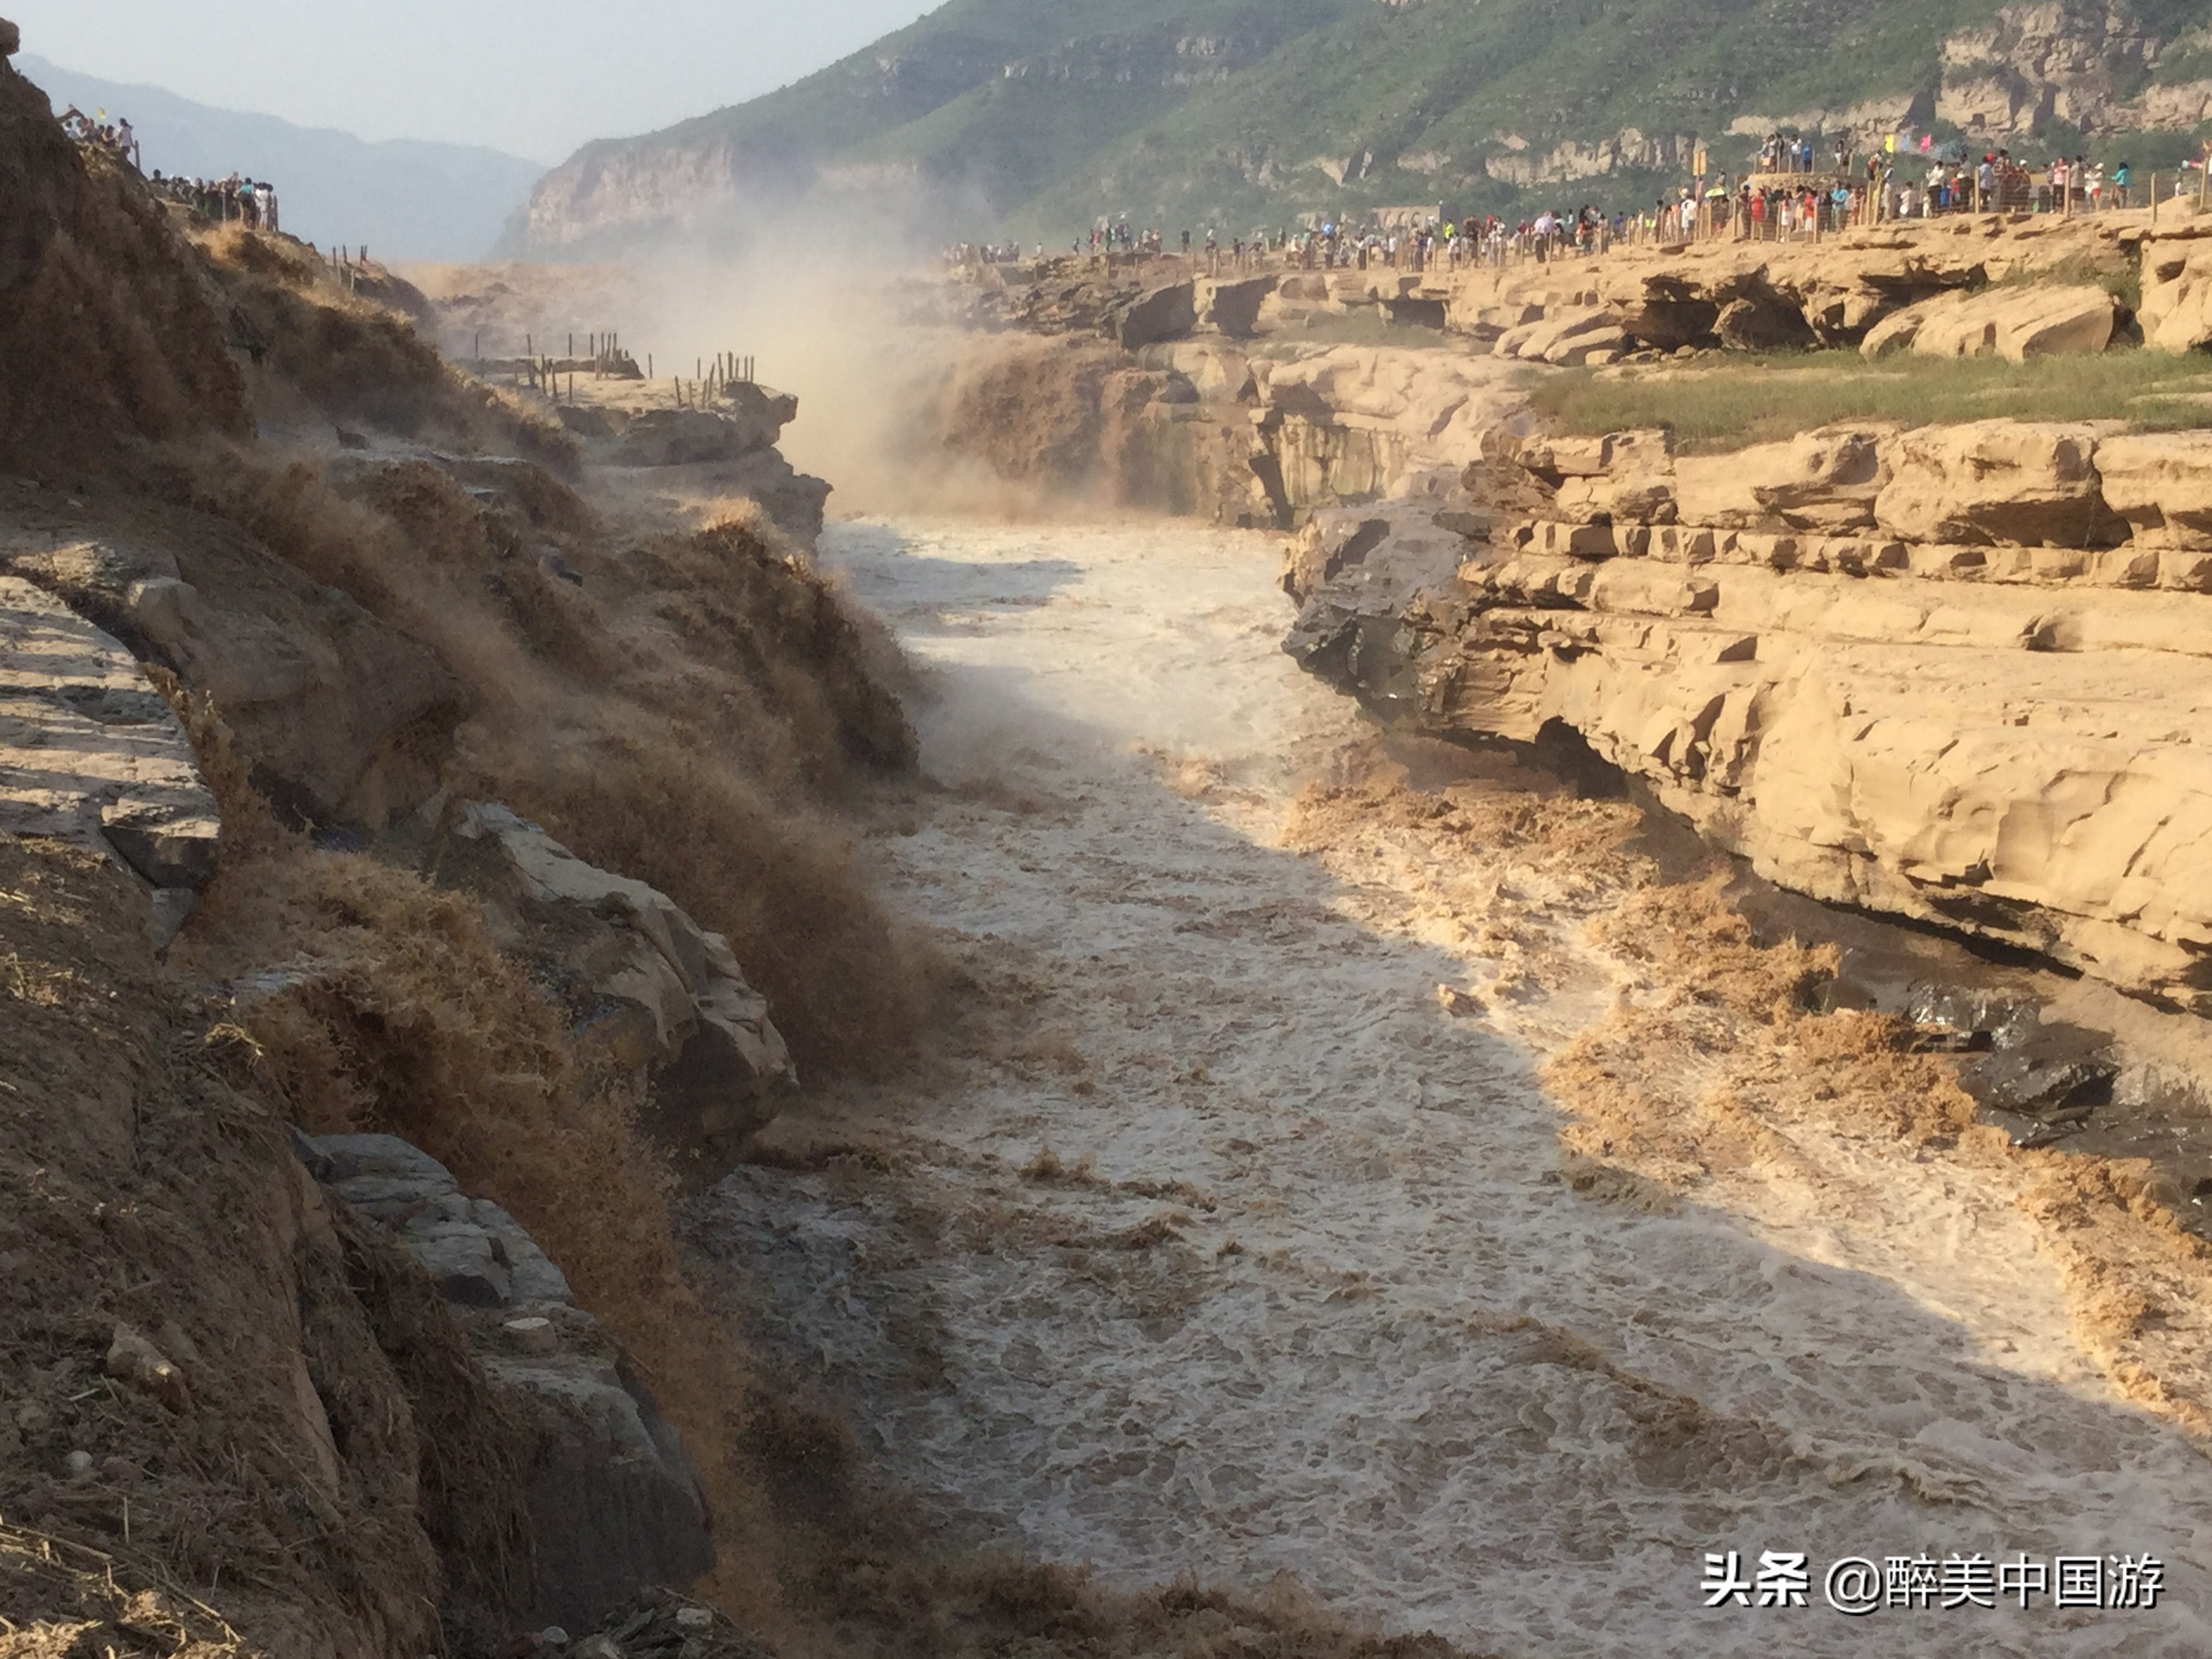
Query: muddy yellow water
[{"x": 1245, "y": 1252}]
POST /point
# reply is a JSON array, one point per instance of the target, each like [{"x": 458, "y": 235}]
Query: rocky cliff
[
  {"x": 1947, "y": 672},
  {"x": 87, "y": 363},
  {"x": 338, "y": 1243}
]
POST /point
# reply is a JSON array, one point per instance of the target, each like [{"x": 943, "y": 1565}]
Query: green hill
[{"x": 1035, "y": 117}]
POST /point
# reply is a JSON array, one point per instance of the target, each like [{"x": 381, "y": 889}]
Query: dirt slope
[{"x": 105, "y": 334}]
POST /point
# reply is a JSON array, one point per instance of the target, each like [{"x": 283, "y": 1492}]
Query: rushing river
[{"x": 1299, "y": 1288}]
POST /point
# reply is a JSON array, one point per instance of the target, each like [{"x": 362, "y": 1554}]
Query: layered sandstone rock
[
  {"x": 737, "y": 439},
  {"x": 342, "y": 719},
  {"x": 1351, "y": 423},
  {"x": 1843, "y": 290},
  {"x": 1955, "y": 674},
  {"x": 2177, "y": 292},
  {"x": 1752, "y": 295}
]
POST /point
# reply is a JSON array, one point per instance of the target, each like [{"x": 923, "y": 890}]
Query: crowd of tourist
[
  {"x": 1797, "y": 189},
  {"x": 235, "y": 200},
  {"x": 232, "y": 201}
]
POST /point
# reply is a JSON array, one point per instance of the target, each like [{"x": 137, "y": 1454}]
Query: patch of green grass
[{"x": 1725, "y": 403}]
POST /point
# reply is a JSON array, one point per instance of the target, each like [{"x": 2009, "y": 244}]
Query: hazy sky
[{"x": 533, "y": 78}]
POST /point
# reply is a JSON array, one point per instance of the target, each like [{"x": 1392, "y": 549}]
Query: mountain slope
[
  {"x": 403, "y": 198},
  {"x": 1039, "y": 115}
]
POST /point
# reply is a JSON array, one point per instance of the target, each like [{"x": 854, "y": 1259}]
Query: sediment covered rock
[{"x": 647, "y": 987}]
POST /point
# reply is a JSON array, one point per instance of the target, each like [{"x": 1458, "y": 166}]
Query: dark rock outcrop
[
  {"x": 613, "y": 1503},
  {"x": 1166, "y": 313}
]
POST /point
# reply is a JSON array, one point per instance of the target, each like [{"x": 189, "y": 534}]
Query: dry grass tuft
[
  {"x": 689, "y": 716},
  {"x": 60, "y": 1599},
  {"x": 121, "y": 1140},
  {"x": 355, "y": 359},
  {"x": 401, "y": 1016}
]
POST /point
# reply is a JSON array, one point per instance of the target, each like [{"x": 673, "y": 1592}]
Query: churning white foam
[{"x": 1321, "y": 1303}]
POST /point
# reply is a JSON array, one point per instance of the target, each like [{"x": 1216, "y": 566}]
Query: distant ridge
[
  {"x": 403, "y": 198},
  {"x": 1035, "y": 116}
]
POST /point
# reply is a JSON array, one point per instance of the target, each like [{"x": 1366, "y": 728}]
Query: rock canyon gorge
[{"x": 1194, "y": 955}]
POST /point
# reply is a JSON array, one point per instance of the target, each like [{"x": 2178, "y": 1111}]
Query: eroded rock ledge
[{"x": 1955, "y": 673}]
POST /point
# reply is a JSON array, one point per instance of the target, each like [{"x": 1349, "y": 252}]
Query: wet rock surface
[
  {"x": 663, "y": 1624},
  {"x": 2049, "y": 1060},
  {"x": 613, "y": 1501}
]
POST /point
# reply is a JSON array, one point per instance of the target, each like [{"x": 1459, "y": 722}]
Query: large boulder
[
  {"x": 1357, "y": 573},
  {"x": 2016, "y": 323},
  {"x": 2025, "y": 483},
  {"x": 1568, "y": 337},
  {"x": 613, "y": 1501},
  {"x": 1898, "y": 332},
  {"x": 649, "y": 988},
  {"x": 91, "y": 753}
]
